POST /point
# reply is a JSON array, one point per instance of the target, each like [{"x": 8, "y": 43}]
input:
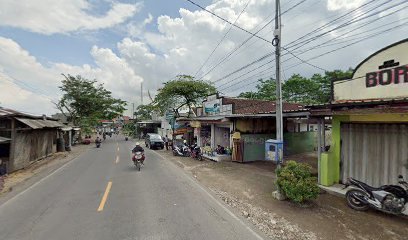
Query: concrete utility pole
[
  {"x": 141, "y": 93},
  {"x": 277, "y": 43},
  {"x": 279, "y": 120},
  {"x": 133, "y": 110}
]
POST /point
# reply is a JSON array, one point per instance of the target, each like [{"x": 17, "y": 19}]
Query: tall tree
[
  {"x": 184, "y": 91},
  {"x": 299, "y": 89},
  {"x": 84, "y": 101},
  {"x": 264, "y": 91},
  {"x": 144, "y": 112}
]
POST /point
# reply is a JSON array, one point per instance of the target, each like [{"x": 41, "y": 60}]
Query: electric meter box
[{"x": 274, "y": 150}]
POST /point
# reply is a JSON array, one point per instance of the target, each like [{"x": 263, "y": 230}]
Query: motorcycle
[
  {"x": 98, "y": 144},
  {"x": 196, "y": 152},
  {"x": 183, "y": 151},
  {"x": 126, "y": 138},
  {"x": 391, "y": 199},
  {"x": 137, "y": 159}
]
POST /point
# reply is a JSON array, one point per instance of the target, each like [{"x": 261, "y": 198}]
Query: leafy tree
[
  {"x": 84, "y": 101},
  {"x": 298, "y": 89},
  {"x": 144, "y": 112},
  {"x": 265, "y": 90},
  {"x": 184, "y": 91}
]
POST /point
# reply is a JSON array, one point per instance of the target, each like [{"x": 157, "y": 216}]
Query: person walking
[{"x": 166, "y": 142}]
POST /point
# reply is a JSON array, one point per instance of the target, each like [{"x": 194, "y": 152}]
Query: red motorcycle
[{"x": 138, "y": 158}]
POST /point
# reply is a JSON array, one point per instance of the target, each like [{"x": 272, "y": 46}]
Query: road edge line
[
  {"x": 216, "y": 200},
  {"x": 40, "y": 181}
]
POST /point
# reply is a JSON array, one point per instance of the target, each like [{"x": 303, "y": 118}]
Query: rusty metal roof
[{"x": 40, "y": 123}]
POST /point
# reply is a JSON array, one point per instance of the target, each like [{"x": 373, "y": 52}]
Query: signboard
[
  {"x": 212, "y": 107},
  {"x": 169, "y": 115},
  {"x": 383, "y": 75}
]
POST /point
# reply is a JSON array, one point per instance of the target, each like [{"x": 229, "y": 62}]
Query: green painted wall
[
  {"x": 254, "y": 146},
  {"x": 295, "y": 143}
]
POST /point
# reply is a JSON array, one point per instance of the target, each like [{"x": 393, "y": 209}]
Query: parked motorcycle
[
  {"x": 183, "y": 151},
  {"x": 137, "y": 159},
  {"x": 196, "y": 152},
  {"x": 391, "y": 199}
]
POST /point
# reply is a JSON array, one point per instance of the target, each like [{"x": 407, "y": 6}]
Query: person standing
[{"x": 166, "y": 142}]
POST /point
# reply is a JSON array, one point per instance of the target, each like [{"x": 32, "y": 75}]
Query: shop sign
[
  {"x": 195, "y": 124},
  {"x": 212, "y": 107},
  {"x": 383, "y": 75},
  {"x": 398, "y": 75}
]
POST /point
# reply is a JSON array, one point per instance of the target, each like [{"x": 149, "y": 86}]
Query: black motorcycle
[
  {"x": 196, "y": 152},
  {"x": 183, "y": 151},
  {"x": 388, "y": 198}
]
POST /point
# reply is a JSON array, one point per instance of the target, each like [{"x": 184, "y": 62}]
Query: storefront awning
[{"x": 40, "y": 123}]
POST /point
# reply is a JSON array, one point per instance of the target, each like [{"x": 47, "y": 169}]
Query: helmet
[
  {"x": 185, "y": 141},
  {"x": 137, "y": 144}
]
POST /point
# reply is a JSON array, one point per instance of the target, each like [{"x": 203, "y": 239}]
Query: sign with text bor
[{"x": 383, "y": 75}]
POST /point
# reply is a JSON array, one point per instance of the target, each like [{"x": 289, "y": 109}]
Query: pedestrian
[{"x": 166, "y": 142}]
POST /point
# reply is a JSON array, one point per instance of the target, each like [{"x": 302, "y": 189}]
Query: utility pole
[
  {"x": 276, "y": 42},
  {"x": 133, "y": 110},
  {"x": 141, "y": 93}
]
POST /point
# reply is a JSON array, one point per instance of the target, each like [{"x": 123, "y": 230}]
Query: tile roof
[{"x": 253, "y": 106}]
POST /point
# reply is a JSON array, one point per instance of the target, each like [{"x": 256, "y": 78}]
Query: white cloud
[
  {"x": 334, "y": 5},
  {"x": 61, "y": 16},
  {"x": 136, "y": 29},
  {"x": 181, "y": 44},
  {"x": 30, "y": 78}
]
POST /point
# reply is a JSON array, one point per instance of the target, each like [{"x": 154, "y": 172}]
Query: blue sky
[{"x": 74, "y": 48}]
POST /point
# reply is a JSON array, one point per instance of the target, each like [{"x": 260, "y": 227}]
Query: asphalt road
[{"x": 100, "y": 195}]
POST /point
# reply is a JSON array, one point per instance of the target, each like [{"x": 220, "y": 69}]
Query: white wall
[{"x": 356, "y": 89}]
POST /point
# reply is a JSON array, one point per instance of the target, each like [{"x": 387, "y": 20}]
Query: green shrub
[{"x": 296, "y": 182}]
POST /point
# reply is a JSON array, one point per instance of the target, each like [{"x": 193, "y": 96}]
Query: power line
[
  {"x": 222, "y": 39},
  {"x": 348, "y": 45},
  {"x": 353, "y": 20},
  {"x": 331, "y": 22},
  {"x": 253, "y": 34},
  {"x": 225, "y": 20}
]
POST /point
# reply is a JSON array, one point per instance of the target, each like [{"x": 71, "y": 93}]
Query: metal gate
[{"x": 374, "y": 153}]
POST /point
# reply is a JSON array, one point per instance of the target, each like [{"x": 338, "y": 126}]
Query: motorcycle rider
[
  {"x": 98, "y": 141},
  {"x": 136, "y": 149}
]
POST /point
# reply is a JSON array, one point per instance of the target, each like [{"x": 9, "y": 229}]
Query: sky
[{"x": 122, "y": 43}]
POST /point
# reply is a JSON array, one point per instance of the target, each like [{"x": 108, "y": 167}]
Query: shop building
[
  {"x": 243, "y": 125},
  {"x": 369, "y": 121}
]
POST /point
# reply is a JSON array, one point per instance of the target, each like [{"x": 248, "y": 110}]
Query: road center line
[
  {"x": 105, "y": 197},
  {"x": 117, "y": 159}
]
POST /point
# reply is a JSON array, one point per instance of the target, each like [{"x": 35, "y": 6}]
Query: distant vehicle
[{"x": 154, "y": 140}]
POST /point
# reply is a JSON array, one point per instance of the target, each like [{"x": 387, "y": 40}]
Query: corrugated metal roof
[
  {"x": 6, "y": 112},
  {"x": 357, "y": 102},
  {"x": 39, "y": 123},
  {"x": 4, "y": 140}
]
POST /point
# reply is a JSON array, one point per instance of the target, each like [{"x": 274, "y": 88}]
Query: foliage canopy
[
  {"x": 184, "y": 91},
  {"x": 84, "y": 101},
  {"x": 299, "y": 89}
]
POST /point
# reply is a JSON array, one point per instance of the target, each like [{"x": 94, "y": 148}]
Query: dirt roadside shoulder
[
  {"x": 247, "y": 188},
  {"x": 22, "y": 179}
]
